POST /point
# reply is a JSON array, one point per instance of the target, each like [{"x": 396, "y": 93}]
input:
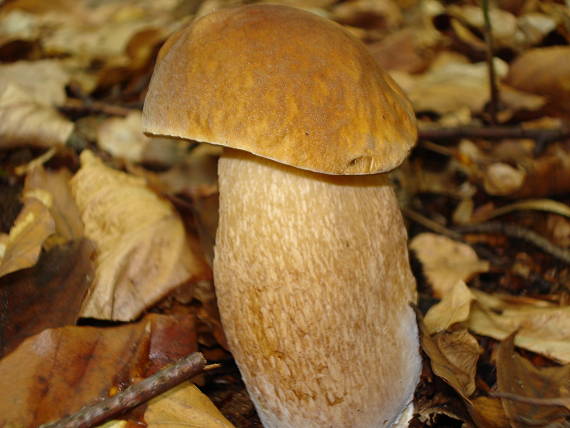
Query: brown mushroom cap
[{"x": 283, "y": 84}]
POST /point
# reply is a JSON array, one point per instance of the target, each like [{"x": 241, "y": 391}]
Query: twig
[
  {"x": 489, "y": 42},
  {"x": 134, "y": 395},
  {"x": 555, "y": 401},
  {"x": 75, "y": 105},
  {"x": 518, "y": 232},
  {"x": 544, "y": 135},
  {"x": 430, "y": 224}
]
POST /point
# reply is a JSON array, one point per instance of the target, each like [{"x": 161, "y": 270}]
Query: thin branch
[
  {"x": 543, "y": 135},
  {"x": 76, "y": 105},
  {"x": 489, "y": 42},
  {"x": 518, "y": 232},
  {"x": 134, "y": 395},
  {"x": 555, "y": 401}
]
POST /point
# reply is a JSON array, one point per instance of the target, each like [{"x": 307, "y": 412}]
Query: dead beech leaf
[
  {"x": 544, "y": 71},
  {"x": 52, "y": 188},
  {"x": 21, "y": 248},
  {"x": 488, "y": 412},
  {"x": 143, "y": 252},
  {"x": 517, "y": 376},
  {"x": 82, "y": 365},
  {"x": 445, "y": 261},
  {"x": 49, "y": 90},
  {"x": 449, "y": 87},
  {"x": 183, "y": 406},
  {"x": 26, "y": 122},
  {"x": 542, "y": 328},
  {"x": 453, "y": 308},
  {"x": 47, "y": 295},
  {"x": 123, "y": 137},
  {"x": 453, "y": 355}
]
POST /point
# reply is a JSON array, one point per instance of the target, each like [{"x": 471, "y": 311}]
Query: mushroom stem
[{"x": 314, "y": 286}]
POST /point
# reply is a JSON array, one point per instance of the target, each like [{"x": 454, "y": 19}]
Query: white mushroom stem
[{"x": 314, "y": 290}]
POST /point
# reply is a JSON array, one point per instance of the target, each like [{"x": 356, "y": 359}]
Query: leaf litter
[{"x": 128, "y": 227}]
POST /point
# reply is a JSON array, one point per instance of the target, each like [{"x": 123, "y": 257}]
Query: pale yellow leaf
[
  {"x": 547, "y": 205},
  {"x": 542, "y": 328},
  {"x": 445, "y": 261},
  {"x": 453, "y": 308},
  {"x": 123, "y": 137},
  {"x": 143, "y": 252},
  {"x": 26, "y": 122},
  {"x": 184, "y": 406},
  {"x": 22, "y": 247}
]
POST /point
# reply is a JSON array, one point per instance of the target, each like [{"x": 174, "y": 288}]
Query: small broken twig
[
  {"x": 543, "y": 135},
  {"x": 489, "y": 42},
  {"x": 518, "y": 232},
  {"x": 165, "y": 379},
  {"x": 554, "y": 401}
]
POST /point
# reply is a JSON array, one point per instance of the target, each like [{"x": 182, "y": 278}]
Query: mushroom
[{"x": 311, "y": 267}]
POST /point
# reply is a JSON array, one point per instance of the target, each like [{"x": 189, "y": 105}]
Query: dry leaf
[
  {"x": 59, "y": 370},
  {"x": 488, "y": 413},
  {"x": 143, "y": 252},
  {"x": 48, "y": 295},
  {"x": 544, "y": 71},
  {"x": 445, "y": 261},
  {"x": 123, "y": 137},
  {"x": 26, "y": 122},
  {"x": 453, "y": 308},
  {"x": 449, "y": 87},
  {"x": 453, "y": 356},
  {"x": 517, "y": 376},
  {"x": 52, "y": 188},
  {"x": 542, "y": 328},
  {"x": 378, "y": 14},
  {"x": 399, "y": 51},
  {"x": 49, "y": 90},
  {"x": 21, "y": 248},
  {"x": 184, "y": 406}
]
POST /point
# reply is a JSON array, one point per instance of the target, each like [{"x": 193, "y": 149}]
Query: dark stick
[
  {"x": 165, "y": 379},
  {"x": 494, "y": 90},
  {"x": 514, "y": 231},
  {"x": 494, "y": 133}
]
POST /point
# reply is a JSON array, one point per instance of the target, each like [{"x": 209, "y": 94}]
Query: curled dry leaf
[
  {"x": 26, "y": 122},
  {"x": 542, "y": 327},
  {"x": 449, "y": 87},
  {"x": 453, "y": 355},
  {"x": 544, "y": 71},
  {"x": 445, "y": 261},
  {"x": 453, "y": 308},
  {"x": 488, "y": 412},
  {"x": 47, "y": 91},
  {"x": 123, "y": 137},
  {"x": 47, "y": 295},
  {"x": 143, "y": 252},
  {"x": 518, "y": 377},
  {"x": 82, "y": 365},
  {"x": 21, "y": 248},
  {"x": 182, "y": 406}
]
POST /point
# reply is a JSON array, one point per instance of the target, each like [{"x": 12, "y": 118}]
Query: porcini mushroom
[{"x": 311, "y": 267}]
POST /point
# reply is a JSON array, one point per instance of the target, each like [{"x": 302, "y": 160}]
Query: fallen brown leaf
[
  {"x": 454, "y": 307},
  {"x": 143, "y": 251},
  {"x": 445, "y": 261},
  {"x": 517, "y": 376},
  {"x": 60, "y": 370},
  {"x": 182, "y": 406},
  {"x": 542, "y": 327},
  {"x": 47, "y": 295},
  {"x": 453, "y": 355},
  {"x": 21, "y": 248},
  {"x": 544, "y": 71},
  {"x": 488, "y": 413}
]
